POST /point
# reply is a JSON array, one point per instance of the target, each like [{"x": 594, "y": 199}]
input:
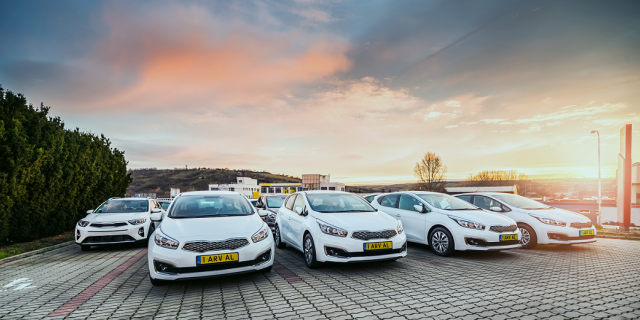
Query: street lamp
[{"x": 599, "y": 182}]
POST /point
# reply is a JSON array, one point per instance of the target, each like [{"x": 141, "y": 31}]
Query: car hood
[
  {"x": 481, "y": 216},
  {"x": 115, "y": 217},
  {"x": 211, "y": 228},
  {"x": 558, "y": 214},
  {"x": 353, "y": 221}
]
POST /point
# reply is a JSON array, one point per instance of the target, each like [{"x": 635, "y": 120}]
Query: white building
[
  {"x": 244, "y": 185},
  {"x": 320, "y": 182}
]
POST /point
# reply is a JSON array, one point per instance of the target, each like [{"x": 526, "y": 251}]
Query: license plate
[
  {"x": 586, "y": 232},
  {"x": 378, "y": 245},
  {"x": 508, "y": 237},
  {"x": 217, "y": 258}
]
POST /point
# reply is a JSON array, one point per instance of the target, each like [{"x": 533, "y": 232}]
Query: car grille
[
  {"x": 368, "y": 235},
  {"x": 108, "y": 224},
  {"x": 204, "y": 246},
  {"x": 108, "y": 239},
  {"x": 510, "y": 228},
  {"x": 581, "y": 224}
]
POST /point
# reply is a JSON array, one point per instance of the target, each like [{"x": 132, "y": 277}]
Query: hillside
[{"x": 160, "y": 181}]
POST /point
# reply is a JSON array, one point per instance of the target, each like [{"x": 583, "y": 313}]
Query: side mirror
[
  {"x": 496, "y": 209},
  {"x": 90, "y": 211},
  {"x": 156, "y": 210},
  {"x": 156, "y": 217},
  {"x": 259, "y": 205},
  {"x": 263, "y": 213},
  {"x": 299, "y": 210},
  {"x": 420, "y": 208}
]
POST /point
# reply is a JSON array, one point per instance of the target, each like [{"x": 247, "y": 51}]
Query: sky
[{"x": 360, "y": 90}]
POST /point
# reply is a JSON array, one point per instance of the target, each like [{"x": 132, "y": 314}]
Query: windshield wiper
[{"x": 463, "y": 209}]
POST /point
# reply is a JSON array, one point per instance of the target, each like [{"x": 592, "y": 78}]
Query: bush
[{"x": 49, "y": 175}]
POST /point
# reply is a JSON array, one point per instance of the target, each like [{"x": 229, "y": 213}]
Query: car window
[
  {"x": 369, "y": 198},
  {"x": 165, "y": 205},
  {"x": 210, "y": 206},
  {"x": 123, "y": 205},
  {"x": 407, "y": 202},
  {"x": 275, "y": 202},
  {"x": 465, "y": 198},
  {"x": 338, "y": 203},
  {"x": 484, "y": 202},
  {"x": 289, "y": 202},
  {"x": 299, "y": 203},
  {"x": 446, "y": 202},
  {"x": 389, "y": 201}
]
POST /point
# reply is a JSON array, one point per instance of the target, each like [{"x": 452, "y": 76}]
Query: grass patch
[{"x": 18, "y": 248}]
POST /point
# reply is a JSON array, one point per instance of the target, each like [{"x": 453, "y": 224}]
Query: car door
[
  {"x": 484, "y": 202},
  {"x": 413, "y": 222},
  {"x": 296, "y": 223},
  {"x": 389, "y": 204},
  {"x": 285, "y": 214}
]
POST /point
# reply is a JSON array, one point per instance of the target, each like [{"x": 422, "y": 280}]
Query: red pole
[{"x": 626, "y": 221}]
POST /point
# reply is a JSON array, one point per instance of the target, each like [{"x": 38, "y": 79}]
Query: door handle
[{"x": 397, "y": 214}]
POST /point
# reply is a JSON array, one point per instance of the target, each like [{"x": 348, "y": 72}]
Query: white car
[
  {"x": 117, "y": 220},
  {"x": 447, "y": 224},
  {"x": 207, "y": 234},
  {"x": 335, "y": 226},
  {"x": 538, "y": 222}
]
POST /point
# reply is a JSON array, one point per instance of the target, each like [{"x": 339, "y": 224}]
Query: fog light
[
  {"x": 141, "y": 232},
  {"x": 164, "y": 267},
  {"x": 404, "y": 247},
  {"x": 335, "y": 252},
  {"x": 77, "y": 234},
  {"x": 265, "y": 257}
]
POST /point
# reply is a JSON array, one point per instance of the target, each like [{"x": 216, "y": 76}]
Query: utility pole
[{"x": 599, "y": 182}]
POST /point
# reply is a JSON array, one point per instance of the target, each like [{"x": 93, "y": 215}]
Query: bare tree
[{"x": 430, "y": 172}]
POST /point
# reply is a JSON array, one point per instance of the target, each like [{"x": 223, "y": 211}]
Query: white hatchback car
[
  {"x": 117, "y": 220},
  {"x": 207, "y": 234},
  {"x": 447, "y": 224},
  {"x": 538, "y": 222},
  {"x": 334, "y": 226}
]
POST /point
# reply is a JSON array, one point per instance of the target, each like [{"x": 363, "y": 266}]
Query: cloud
[
  {"x": 532, "y": 128},
  {"x": 617, "y": 121},
  {"x": 573, "y": 112},
  {"x": 547, "y": 100},
  {"x": 453, "y": 103},
  {"x": 451, "y": 126}
]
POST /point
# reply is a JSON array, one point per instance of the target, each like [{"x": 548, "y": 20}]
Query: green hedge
[{"x": 50, "y": 176}]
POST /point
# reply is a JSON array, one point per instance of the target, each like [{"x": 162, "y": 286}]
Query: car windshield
[
  {"x": 275, "y": 202},
  {"x": 338, "y": 203},
  {"x": 520, "y": 202},
  {"x": 123, "y": 205},
  {"x": 446, "y": 202},
  {"x": 165, "y": 205},
  {"x": 210, "y": 206}
]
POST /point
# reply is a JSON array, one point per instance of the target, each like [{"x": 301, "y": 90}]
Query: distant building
[
  {"x": 320, "y": 182},
  {"x": 503, "y": 189},
  {"x": 247, "y": 186},
  {"x": 279, "y": 188}
]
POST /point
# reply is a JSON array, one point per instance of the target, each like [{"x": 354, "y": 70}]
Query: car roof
[
  {"x": 481, "y": 193},
  {"x": 324, "y": 192},
  {"x": 132, "y": 198},
  {"x": 208, "y": 193}
]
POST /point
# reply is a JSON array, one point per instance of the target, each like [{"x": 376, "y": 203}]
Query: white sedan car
[
  {"x": 207, "y": 234},
  {"x": 538, "y": 222},
  {"x": 117, "y": 220},
  {"x": 447, "y": 224},
  {"x": 333, "y": 226}
]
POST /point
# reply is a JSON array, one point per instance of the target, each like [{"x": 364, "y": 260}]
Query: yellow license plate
[
  {"x": 216, "y": 258},
  {"x": 586, "y": 232},
  {"x": 508, "y": 237},
  {"x": 378, "y": 245}
]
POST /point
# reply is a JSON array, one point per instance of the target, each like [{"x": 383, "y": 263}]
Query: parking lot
[{"x": 599, "y": 280}]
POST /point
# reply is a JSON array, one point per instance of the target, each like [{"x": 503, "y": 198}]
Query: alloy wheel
[
  {"x": 526, "y": 236},
  {"x": 440, "y": 241},
  {"x": 308, "y": 250}
]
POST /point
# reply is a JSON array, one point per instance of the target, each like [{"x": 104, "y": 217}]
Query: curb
[
  {"x": 616, "y": 237},
  {"x": 34, "y": 252}
]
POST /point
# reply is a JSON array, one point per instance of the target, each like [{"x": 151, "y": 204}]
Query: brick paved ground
[{"x": 600, "y": 280}]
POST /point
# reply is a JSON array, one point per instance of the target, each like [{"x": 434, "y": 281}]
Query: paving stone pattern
[{"x": 593, "y": 281}]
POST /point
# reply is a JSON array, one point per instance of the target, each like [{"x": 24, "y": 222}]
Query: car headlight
[
  {"x": 399, "y": 227},
  {"x": 331, "y": 230},
  {"x": 550, "y": 221},
  {"x": 83, "y": 223},
  {"x": 467, "y": 223},
  {"x": 165, "y": 241},
  {"x": 262, "y": 234},
  {"x": 137, "y": 221}
]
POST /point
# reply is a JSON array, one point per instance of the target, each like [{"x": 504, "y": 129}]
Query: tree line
[{"x": 49, "y": 175}]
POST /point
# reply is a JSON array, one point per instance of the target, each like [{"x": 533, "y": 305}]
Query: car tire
[
  {"x": 309, "y": 250},
  {"x": 267, "y": 270},
  {"x": 85, "y": 248},
  {"x": 277, "y": 238},
  {"x": 156, "y": 282},
  {"x": 441, "y": 242},
  {"x": 529, "y": 238}
]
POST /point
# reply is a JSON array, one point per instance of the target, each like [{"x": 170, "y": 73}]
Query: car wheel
[
  {"x": 441, "y": 242},
  {"x": 310, "y": 252},
  {"x": 278, "y": 239},
  {"x": 267, "y": 270},
  {"x": 156, "y": 282},
  {"x": 85, "y": 248},
  {"x": 529, "y": 238}
]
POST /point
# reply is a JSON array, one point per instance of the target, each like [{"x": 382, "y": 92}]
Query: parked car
[
  {"x": 371, "y": 196},
  {"x": 207, "y": 234},
  {"x": 254, "y": 202},
  {"x": 448, "y": 224},
  {"x": 165, "y": 204},
  {"x": 335, "y": 226},
  {"x": 538, "y": 222},
  {"x": 117, "y": 220},
  {"x": 268, "y": 208}
]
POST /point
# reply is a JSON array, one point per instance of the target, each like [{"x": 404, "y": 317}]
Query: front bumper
[
  {"x": 483, "y": 240},
  {"x": 564, "y": 235},
  {"x": 185, "y": 267},
  {"x": 102, "y": 236},
  {"x": 345, "y": 250}
]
